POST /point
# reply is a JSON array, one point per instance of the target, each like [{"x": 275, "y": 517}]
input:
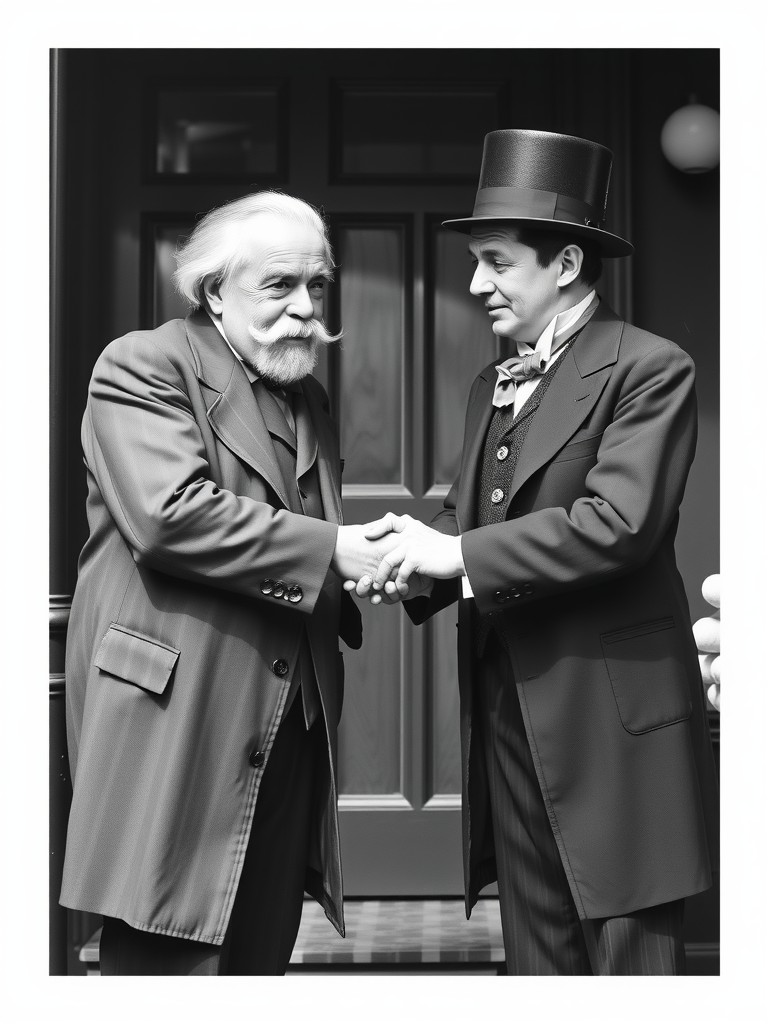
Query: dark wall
[{"x": 676, "y": 277}]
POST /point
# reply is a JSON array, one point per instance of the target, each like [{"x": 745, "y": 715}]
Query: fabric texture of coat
[
  {"x": 591, "y": 610},
  {"x": 181, "y": 651}
]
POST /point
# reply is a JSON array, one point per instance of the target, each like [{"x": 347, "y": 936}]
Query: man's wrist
[{"x": 460, "y": 569}]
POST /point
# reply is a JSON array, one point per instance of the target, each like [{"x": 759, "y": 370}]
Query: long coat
[
  {"x": 180, "y": 653},
  {"x": 592, "y": 612}
]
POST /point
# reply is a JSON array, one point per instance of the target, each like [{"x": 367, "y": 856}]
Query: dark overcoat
[
  {"x": 592, "y": 612},
  {"x": 180, "y": 654}
]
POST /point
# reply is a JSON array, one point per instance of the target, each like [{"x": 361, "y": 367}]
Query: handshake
[{"x": 394, "y": 557}]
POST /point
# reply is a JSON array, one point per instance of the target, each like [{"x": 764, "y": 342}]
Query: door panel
[
  {"x": 460, "y": 344},
  {"x": 444, "y": 765},
  {"x": 371, "y": 729},
  {"x": 372, "y": 295}
]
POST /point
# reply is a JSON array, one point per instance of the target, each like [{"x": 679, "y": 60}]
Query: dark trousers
[
  {"x": 267, "y": 909},
  {"x": 541, "y": 927}
]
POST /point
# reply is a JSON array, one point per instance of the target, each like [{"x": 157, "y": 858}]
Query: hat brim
[{"x": 610, "y": 245}]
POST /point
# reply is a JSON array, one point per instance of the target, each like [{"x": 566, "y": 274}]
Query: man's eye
[{"x": 318, "y": 287}]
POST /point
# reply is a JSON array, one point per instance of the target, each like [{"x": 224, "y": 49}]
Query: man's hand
[
  {"x": 417, "y": 586},
  {"x": 356, "y": 556},
  {"x": 418, "y": 550}
]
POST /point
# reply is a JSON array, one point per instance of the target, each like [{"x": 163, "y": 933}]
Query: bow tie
[{"x": 515, "y": 370}]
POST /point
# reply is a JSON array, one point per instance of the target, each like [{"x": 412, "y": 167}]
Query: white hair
[{"x": 215, "y": 249}]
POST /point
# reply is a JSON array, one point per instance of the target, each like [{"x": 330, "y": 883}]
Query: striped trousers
[{"x": 541, "y": 927}]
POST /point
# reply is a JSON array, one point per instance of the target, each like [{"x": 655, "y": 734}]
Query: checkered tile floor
[{"x": 402, "y": 931}]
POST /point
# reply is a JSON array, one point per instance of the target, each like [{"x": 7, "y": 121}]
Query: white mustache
[{"x": 311, "y": 330}]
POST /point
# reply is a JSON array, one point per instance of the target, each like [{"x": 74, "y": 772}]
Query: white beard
[{"x": 285, "y": 362}]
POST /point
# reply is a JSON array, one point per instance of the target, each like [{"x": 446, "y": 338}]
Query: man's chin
[
  {"x": 286, "y": 365},
  {"x": 502, "y": 328}
]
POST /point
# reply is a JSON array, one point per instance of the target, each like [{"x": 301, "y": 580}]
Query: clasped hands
[{"x": 394, "y": 557}]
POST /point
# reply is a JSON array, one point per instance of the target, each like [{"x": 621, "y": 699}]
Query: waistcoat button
[
  {"x": 502, "y": 453},
  {"x": 497, "y": 495},
  {"x": 280, "y": 667}
]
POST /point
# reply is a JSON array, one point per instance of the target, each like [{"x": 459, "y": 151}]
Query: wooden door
[{"x": 388, "y": 143}]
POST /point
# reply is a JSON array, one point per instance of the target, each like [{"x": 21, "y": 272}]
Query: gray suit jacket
[{"x": 180, "y": 655}]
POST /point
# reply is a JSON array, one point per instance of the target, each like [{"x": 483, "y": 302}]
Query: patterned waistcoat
[{"x": 503, "y": 443}]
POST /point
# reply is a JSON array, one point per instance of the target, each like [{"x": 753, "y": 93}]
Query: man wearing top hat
[{"x": 589, "y": 787}]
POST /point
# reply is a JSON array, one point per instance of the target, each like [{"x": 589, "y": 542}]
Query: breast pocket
[
  {"x": 579, "y": 449},
  {"x": 645, "y": 666}
]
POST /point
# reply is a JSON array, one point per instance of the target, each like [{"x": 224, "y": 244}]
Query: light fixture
[{"x": 690, "y": 138}]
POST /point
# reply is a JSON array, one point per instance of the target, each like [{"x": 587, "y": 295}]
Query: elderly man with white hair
[{"x": 204, "y": 679}]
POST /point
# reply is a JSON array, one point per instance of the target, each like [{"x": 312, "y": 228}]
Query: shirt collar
[
  {"x": 252, "y": 377},
  {"x": 250, "y": 373},
  {"x": 559, "y": 323}
]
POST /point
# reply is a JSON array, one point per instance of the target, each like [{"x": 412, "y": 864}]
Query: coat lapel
[
  {"x": 306, "y": 437},
  {"x": 274, "y": 418},
  {"x": 575, "y": 389},
  {"x": 572, "y": 394},
  {"x": 316, "y": 441},
  {"x": 478, "y": 418},
  {"x": 234, "y": 414}
]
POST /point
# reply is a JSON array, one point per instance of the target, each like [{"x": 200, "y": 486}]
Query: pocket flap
[
  {"x": 136, "y": 658},
  {"x": 645, "y": 664},
  {"x": 579, "y": 449}
]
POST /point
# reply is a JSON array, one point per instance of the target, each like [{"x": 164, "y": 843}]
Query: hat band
[{"x": 508, "y": 201}]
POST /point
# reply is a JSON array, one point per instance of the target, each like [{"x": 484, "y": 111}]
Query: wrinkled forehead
[{"x": 271, "y": 243}]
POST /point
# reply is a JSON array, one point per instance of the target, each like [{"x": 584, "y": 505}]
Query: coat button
[
  {"x": 267, "y": 586},
  {"x": 294, "y": 594},
  {"x": 527, "y": 588},
  {"x": 279, "y": 589},
  {"x": 256, "y": 758},
  {"x": 501, "y": 597},
  {"x": 514, "y": 591},
  {"x": 497, "y": 495},
  {"x": 280, "y": 667},
  {"x": 502, "y": 453}
]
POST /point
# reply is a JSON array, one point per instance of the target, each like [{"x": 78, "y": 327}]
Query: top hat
[{"x": 545, "y": 181}]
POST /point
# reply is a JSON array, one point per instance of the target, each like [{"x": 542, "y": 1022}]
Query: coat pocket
[
  {"x": 579, "y": 449},
  {"x": 646, "y": 668},
  {"x": 136, "y": 658}
]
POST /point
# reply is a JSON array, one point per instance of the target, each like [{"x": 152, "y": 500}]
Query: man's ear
[
  {"x": 212, "y": 293},
  {"x": 570, "y": 260}
]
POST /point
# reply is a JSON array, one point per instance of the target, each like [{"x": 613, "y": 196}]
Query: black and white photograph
[{"x": 391, "y": 449}]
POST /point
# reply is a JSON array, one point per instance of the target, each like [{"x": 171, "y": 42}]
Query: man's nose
[
  {"x": 301, "y": 304},
  {"x": 480, "y": 285}
]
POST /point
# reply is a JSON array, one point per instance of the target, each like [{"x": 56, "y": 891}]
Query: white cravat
[{"x": 546, "y": 347}]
